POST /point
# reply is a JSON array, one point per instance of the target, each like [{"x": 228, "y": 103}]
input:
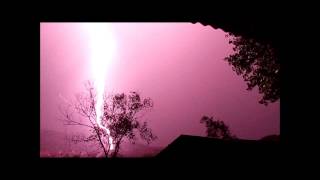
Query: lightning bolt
[{"x": 102, "y": 49}]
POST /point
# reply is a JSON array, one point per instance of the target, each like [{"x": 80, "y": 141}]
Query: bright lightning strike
[{"x": 102, "y": 50}]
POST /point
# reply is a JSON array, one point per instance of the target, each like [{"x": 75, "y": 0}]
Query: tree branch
[{"x": 76, "y": 123}]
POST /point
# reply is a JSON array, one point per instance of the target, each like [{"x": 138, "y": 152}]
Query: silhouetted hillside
[
  {"x": 271, "y": 138},
  {"x": 195, "y": 147}
]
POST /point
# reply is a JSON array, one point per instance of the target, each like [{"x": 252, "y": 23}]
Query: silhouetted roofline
[{"x": 186, "y": 146}]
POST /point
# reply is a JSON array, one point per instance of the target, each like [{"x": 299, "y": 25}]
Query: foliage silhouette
[
  {"x": 258, "y": 64},
  {"x": 216, "y": 128}
]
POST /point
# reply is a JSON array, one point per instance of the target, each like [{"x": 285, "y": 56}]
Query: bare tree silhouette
[
  {"x": 121, "y": 115},
  {"x": 259, "y": 65}
]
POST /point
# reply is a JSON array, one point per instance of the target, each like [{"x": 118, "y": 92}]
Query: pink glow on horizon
[{"x": 179, "y": 65}]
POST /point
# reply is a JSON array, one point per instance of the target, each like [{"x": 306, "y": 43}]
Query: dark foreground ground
[
  {"x": 188, "y": 154},
  {"x": 187, "y": 149}
]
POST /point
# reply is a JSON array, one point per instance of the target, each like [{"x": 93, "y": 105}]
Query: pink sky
[{"x": 179, "y": 65}]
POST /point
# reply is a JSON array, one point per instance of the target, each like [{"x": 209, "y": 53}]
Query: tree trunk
[
  {"x": 116, "y": 150},
  {"x": 100, "y": 141}
]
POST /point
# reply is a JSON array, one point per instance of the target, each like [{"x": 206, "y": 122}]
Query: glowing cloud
[{"x": 102, "y": 50}]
